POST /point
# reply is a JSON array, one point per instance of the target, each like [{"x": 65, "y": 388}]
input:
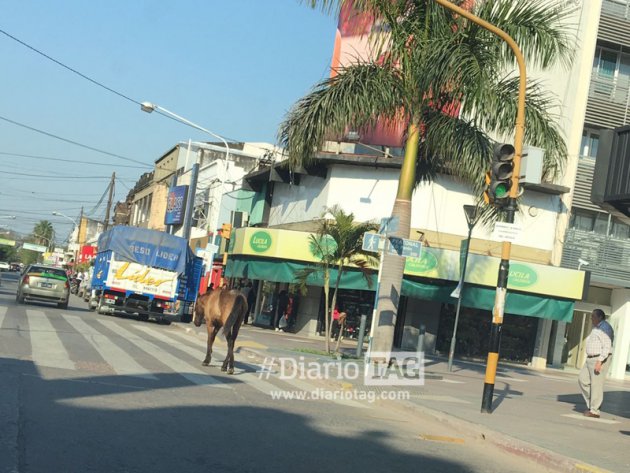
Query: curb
[{"x": 508, "y": 444}]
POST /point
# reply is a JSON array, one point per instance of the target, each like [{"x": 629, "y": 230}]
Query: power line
[
  {"x": 52, "y": 177},
  {"x": 91, "y": 148},
  {"x": 76, "y": 161},
  {"x": 68, "y": 67}
]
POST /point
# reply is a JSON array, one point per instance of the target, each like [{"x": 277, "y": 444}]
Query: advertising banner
[
  {"x": 176, "y": 205},
  {"x": 33, "y": 247},
  {"x": 4, "y": 241},
  {"x": 142, "y": 279},
  {"x": 87, "y": 253}
]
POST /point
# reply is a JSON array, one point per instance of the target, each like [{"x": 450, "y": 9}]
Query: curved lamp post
[
  {"x": 472, "y": 217},
  {"x": 151, "y": 107}
]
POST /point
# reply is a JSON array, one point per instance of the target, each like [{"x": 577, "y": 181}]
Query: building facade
[{"x": 595, "y": 240}]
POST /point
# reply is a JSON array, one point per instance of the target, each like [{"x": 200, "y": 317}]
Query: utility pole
[
  {"x": 109, "y": 201},
  {"x": 512, "y": 207},
  {"x": 79, "y": 245}
]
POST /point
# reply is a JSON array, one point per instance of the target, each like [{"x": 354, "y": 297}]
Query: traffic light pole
[{"x": 504, "y": 266}]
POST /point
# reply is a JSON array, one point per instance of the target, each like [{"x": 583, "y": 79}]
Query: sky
[{"x": 234, "y": 67}]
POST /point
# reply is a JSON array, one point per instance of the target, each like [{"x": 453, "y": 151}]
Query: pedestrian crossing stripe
[
  {"x": 178, "y": 365},
  {"x": 46, "y": 346},
  {"x": 116, "y": 357}
]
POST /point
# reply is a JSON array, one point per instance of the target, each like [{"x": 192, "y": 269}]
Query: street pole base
[{"x": 486, "y": 400}]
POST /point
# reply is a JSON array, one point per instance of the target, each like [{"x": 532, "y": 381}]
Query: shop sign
[
  {"x": 321, "y": 246},
  {"x": 260, "y": 241},
  {"x": 175, "y": 205},
  {"x": 522, "y": 275},
  {"x": 424, "y": 264}
]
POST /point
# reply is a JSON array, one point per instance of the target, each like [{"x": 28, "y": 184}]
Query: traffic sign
[
  {"x": 373, "y": 242},
  {"x": 395, "y": 246},
  {"x": 389, "y": 225},
  {"x": 405, "y": 247},
  {"x": 504, "y": 231}
]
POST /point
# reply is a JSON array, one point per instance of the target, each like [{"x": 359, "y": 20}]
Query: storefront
[{"x": 277, "y": 256}]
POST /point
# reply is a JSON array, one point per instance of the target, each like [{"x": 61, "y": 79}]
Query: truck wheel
[{"x": 99, "y": 307}]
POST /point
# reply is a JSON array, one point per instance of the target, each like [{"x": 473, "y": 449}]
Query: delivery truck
[{"x": 146, "y": 273}]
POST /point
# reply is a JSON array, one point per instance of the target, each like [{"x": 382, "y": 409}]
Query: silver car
[{"x": 44, "y": 283}]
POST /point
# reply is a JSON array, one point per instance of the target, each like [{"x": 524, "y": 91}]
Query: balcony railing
[
  {"x": 608, "y": 257},
  {"x": 610, "y": 89},
  {"x": 618, "y": 8}
]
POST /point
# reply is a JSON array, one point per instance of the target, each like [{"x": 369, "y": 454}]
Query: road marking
[
  {"x": 299, "y": 340},
  {"x": 441, "y": 438},
  {"x": 47, "y": 348},
  {"x": 591, "y": 419},
  {"x": 515, "y": 380},
  {"x": 425, "y": 397},
  {"x": 114, "y": 356},
  {"x": 3, "y": 312},
  {"x": 452, "y": 381},
  {"x": 179, "y": 366},
  {"x": 589, "y": 468}
]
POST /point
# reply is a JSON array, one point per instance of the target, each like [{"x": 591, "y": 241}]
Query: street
[{"x": 86, "y": 392}]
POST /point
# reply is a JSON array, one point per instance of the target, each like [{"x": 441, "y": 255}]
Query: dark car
[{"x": 44, "y": 283}]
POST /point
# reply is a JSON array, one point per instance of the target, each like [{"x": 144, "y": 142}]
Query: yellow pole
[{"x": 504, "y": 267}]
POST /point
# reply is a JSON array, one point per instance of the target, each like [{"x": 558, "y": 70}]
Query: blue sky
[{"x": 234, "y": 67}]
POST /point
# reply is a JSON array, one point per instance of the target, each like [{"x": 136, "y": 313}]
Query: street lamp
[
  {"x": 59, "y": 214},
  {"x": 190, "y": 205},
  {"x": 472, "y": 217},
  {"x": 76, "y": 251}
]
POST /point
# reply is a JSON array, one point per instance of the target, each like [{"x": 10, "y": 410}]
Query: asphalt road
[{"x": 83, "y": 392}]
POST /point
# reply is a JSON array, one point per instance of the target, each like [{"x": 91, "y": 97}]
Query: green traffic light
[{"x": 501, "y": 191}]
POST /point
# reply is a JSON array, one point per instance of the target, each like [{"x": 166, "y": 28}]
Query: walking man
[{"x": 598, "y": 354}]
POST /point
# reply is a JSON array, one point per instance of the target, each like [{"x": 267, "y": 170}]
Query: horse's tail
[{"x": 239, "y": 308}]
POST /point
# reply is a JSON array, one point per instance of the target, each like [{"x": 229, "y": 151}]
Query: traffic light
[
  {"x": 226, "y": 230},
  {"x": 501, "y": 173}
]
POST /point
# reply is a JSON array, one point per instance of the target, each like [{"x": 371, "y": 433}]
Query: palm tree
[
  {"x": 338, "y": 243},
  {"x": 44, "y": 233},
  {"x": 449, "y": 81}
]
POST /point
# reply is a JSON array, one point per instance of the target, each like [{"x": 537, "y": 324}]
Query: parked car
[
  {"x": 44, "y": 283},
  {"x": 4, "y": 266}
]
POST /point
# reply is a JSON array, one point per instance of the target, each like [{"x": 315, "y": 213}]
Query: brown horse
[{"x": 221, "y": 308}]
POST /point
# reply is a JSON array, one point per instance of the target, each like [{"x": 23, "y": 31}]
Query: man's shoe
[{"x": 590, "y": 414}]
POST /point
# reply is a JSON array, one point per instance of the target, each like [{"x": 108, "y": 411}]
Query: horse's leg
[
  {"x": 230, "y": 344},
  {"x": 212, "y": 333},
  {"x": 235, "y": 330}
]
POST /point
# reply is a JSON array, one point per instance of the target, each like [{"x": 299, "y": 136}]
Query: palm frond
[
  {"x": 539, "y": 27},
  {"x": 359, "y": 95},
  {"x": 457, "y": 146},
  {"x": 494, "y": 109}
]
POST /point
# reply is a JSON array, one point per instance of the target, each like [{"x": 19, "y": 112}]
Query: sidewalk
[{"x": 535, "y": 414}]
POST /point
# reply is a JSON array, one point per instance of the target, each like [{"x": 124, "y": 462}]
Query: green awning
[{"x": 478, "y": 297}]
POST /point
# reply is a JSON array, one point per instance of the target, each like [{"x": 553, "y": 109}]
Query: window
[
  {"x": 619, "y": 230},
  {"x": 582, "y": 221},
  {"x": 590, "y": 143}
]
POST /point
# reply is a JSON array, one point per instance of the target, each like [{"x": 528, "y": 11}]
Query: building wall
[
  {"x": 296, "y": 203},
  {"x": 158, "y": 207},
  {"x": 437, "y": 209}
]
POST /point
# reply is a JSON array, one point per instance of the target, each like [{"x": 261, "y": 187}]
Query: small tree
[
  {"x": 44, "y": 234},
  {"x": 338, "y": 244}
]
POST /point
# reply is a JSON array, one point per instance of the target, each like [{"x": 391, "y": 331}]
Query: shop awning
[{"x": 277, "y": 270}]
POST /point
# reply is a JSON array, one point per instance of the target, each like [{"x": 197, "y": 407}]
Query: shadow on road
[
  {"x": 99, "y": 427},
  {"x": 616, "y": 403}
]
